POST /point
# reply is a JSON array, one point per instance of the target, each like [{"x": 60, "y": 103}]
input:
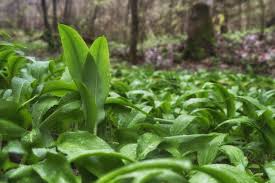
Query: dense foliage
[{"x": 67, "y": 120}]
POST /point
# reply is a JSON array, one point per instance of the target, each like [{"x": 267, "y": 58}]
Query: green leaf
[
  {"x": 8, "y": 110},
  {"x": 15, "y": 63},
  {"x": 235, "y": 155},
  {"x": 270, "y": 170},
  {"x": 191, "y": 143},
  {"x": 40, "y": 108},
  {"x": 123, "y": 102},
  {"x": 178, "y": 166},
  {"x": 89, "y": 107},
  {"x": 129, "y": 150},
  {"x": 68, "y": 110},
  {"x": 9, "y": 129},
  {"x": 226, "y": 173},
  {"x": 58, "y": 87},
  {"x": 23, "y": 174},
  {"x": 84, "y": 144},
  {"x": 181, "y": 123},
  {"x": 90, "y": 84},
  {"x": 197, "y": 103},
  {"x": 55, "y": 169},
  {"x": 21, "y": 90},
  {"x": 90, "y": 152},
  {"x": 147, "y": 143},
  {"x": 200, "y": 177},
  {"x": 236, "y": 121},
  {"x": 228, "y": 98},
  {"x": 153, "y": 175},
  {"x": 208, "y": 154},
  {"x": 75, "y": 50},
  {"x": 100, "y": 53}
]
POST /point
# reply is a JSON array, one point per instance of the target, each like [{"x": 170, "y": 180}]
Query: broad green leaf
[
  {"x": 100, "y": 53},
  {"x": 270, "y": 170},
  {"x": 68, "y": 110},
  {"x": 90, "y": 152},
  {"x": 129, "y": 150},
  {"x": 227, "y": 97},
  {"x": 152, "y": 175},
  {"x": 200, "y": 177},
  {"x": 178, "y": 166},
  {"x": 146, "y": 143},
  {"x": 208, "y": 154},
  {"x": 226, "y": 173},
  {"x": 235, "y": 155},
  {"x": 14, "y": 146},
  {"x": 9, "y": 129},
  {"x": 124, "y": 102},
  {"x": 58, "y": 87},
  {"x": 23, "y": 174},
  {"x": 74, "y": 143},
  {"x": 55, "y": 169},
  {"x": 21, "y": 90},
  {"x": 191, "y": 143},
  {"x": 236, "y": 121},
  {"x": 75, "y": 50},
  {"x": 90, "y": 98},
  {"x": 8, "y": 110},
  {"x": 251, "y": 101},
  {"x": 197, "y": 102},
  {"x": 181, "y": 123},
  {"x": 40, "y": 108},
  {"x": 20, "y": 172},
  {"x": 37, "y": 71},
  {"x": 89, "y": 107},
  {"x": 15, "y": 63}
]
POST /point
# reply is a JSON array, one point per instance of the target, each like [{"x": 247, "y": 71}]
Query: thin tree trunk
[
  {"x": 224, "y": 28},
  {"x": 55, "y": 20},
  {"x": 262, "y": 21},
  {"x": 241, "y": 16},
  {"x": 134, "y": 31},
  {"x": 67, "y": 12},
  {"x": 48, "y": 32},
  {"x": 126, "y": 21},
  {"x": 170, "y": 28},
  {"x": 248, "y": 14},
  {"x": 93, "y": 20},
  {"x": 45, "y": 15}
]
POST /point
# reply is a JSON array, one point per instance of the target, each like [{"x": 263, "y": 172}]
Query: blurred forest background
[{"x": 158, "y": 32}]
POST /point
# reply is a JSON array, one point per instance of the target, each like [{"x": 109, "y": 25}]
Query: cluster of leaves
[{"x": 60, "y": 123}]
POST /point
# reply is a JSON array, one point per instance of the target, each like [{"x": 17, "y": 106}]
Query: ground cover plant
[{"x": 74, "y": 119}]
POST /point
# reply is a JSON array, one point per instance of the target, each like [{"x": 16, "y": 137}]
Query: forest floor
[{"x": 237, "y": 51}]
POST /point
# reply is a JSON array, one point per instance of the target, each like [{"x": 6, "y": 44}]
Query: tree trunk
[
  {"x": 126, "y": 22},
  {"x": 67, "y": 12},
  {"x": 248, "y": 14},
  {"x": 170, "y": 28},
  {"x": 48, "y": 33},
  {"x": 201, "y": 35},
  {"x": 55, "y": 20},
  {"x": 240, "y": 13},
  {"x": 262, "y": 21},
  {"x": 224, "y": 28},
  {"x": 93, "y": 20},
  {"x": 134, "y": 31},
  {"x": 45, "y": 15}
]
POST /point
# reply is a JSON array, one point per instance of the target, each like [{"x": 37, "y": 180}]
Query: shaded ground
[
  {"x": 233, "y": 51},
  {"x": 238, "y": 51}
]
